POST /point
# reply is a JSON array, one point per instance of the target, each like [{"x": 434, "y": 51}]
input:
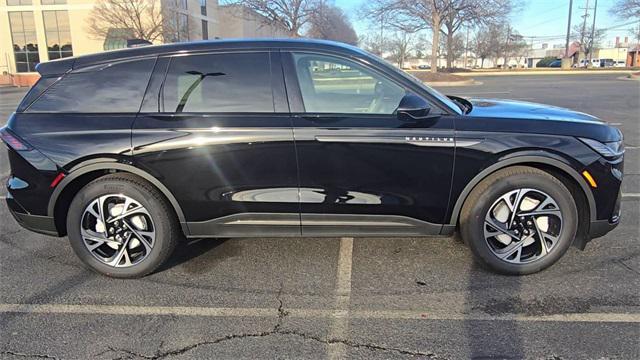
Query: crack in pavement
[
  {"x": 37, "y": 356},
  {"x": 275, "y": 331}
]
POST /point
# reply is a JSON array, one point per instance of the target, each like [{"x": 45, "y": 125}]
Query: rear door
[
  {"x": 215, "y": 129},
  {"x": 362, "y": 170}
]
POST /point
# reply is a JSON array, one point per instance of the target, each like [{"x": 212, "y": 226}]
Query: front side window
[
  {"x": 25, "y": 43},
  {"x": 58, "y": 33},
  {"x": 218, "y": 83},
  {"x": 334, "y": 85},
  {"x": 106, "y": 88}
]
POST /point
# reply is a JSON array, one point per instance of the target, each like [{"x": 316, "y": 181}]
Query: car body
[
  {"x": 555, "y": 63},
  {"x": 607, "y": 63},
  {"x": 280, "y": 138},
  {"x": 620, "y": 63}
]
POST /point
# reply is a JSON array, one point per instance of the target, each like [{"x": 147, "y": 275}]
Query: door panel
[
  {"x": 232, "y": 173},
  {"x": 361, "y": 169},
  {"x": 219, "y": 165}
]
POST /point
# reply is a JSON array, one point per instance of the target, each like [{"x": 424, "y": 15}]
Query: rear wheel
[
  {"x": 121, "y": 226},
  {"x": 519, "y": 220}
]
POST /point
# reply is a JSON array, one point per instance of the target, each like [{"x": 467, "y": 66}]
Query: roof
[{"x": 66, "y": 64}]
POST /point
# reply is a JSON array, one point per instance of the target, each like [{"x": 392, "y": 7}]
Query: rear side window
[
  {"x": 36, "y": 90},
  {"x": 107, "y": 88},
  {"x": 218, "y": 83}
]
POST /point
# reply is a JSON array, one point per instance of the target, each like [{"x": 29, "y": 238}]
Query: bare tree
[
  {"x": 483, "y": 44},
  {"x": 471, "y": 13},
  {"x": 373, "y": 43},
  {"x": 401, "y": 45},
  {"x": 582, "y": 34},
  {"x": 626, "y": 9},
  {"x": 452, "y": 49},
  {"x": 329, "y": 22},
  {"x": 292, "y": 15},
  {"x": 142, "y": 19},
  {"x": 440, "y": 16}
]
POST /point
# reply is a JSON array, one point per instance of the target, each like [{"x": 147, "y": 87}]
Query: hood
[{"x": 511, "y": 109}]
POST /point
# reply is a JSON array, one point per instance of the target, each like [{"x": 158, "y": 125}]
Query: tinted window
[
  {"x": 37, "y": 89},
  {"x": 107, "y": 88},
  {"x": 219, "y": 83},
  {"x": 334, "y": 85}
]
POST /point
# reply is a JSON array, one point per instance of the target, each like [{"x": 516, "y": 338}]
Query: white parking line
[
  {"x": 310, "y": 313},
  {"x": 630, "y": 195},
  {"x": 340, "y": 325}
]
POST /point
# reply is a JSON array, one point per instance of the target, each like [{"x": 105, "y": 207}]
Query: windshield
[{"x": 452, "y": 105}]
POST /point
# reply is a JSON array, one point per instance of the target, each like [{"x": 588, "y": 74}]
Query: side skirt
[{"x": 320, "y": 225}]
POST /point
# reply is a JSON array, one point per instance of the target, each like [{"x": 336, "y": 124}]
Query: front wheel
[
  {"x": 121, "y": 226},
  {"x": 519, "y": 220}
]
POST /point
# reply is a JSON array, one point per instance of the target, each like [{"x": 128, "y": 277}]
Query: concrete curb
[
  {"x": 630, "y": 78},
  {"x": 469, "y": 82},
  {"x": 543, "y": 72}
]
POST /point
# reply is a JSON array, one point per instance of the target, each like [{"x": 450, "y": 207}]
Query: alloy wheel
[
  {"x": 523, "y": 226},
  {"x": 117, "y": 230}
]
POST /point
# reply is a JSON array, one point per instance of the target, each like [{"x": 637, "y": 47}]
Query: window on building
[
  {"x": 183, "y": 27},
  {"x": 205, "y": 30},
  {"x": 18, "y": 2},
  {"x": 330, "y": 84},
  {"x": 58, "y": 33},
  {"x": 203, "y": 7},
  {"x": 218, "y": 83},
  {"x": 25, "y": 43},
  {"x": 107, "y": 88},
  {"x": 53, "y": 2}
]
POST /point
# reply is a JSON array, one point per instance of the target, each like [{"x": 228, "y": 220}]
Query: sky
[{"x": 546, "y": 18}]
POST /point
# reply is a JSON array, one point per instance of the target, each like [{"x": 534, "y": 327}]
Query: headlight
[{"x": 609, "y": 150}]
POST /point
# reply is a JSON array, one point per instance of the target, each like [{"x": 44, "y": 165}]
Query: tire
[
  {"x": 493, "y": 194},
  {"x": 148, "y": 236}
]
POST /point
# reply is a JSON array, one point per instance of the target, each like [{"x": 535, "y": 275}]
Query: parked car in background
[
  {"x": 585, "y": 62},
  {"x": 128, "y": 152},
  {"x": 607, "y": 62},
  {"x": 555, "y": 64},
  {"x": 424, "y": 67}
]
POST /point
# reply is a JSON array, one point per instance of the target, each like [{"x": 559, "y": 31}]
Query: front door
[
  {"x": 362, "y": 170},
  {"x": 215, "y": 129}
]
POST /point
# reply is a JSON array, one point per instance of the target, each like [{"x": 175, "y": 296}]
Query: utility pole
[
  {"x": 566, "y": 47},
  {"x": 584, "y": 29},
  {"x": 593, "y": 31}
]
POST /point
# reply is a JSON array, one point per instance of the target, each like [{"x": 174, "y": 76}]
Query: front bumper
[
  {"x": 600, "y": 228},
  {"x": 40, "y": 224}
]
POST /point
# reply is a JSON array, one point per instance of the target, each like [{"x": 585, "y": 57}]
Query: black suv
[{"x": 127, "y": 152}]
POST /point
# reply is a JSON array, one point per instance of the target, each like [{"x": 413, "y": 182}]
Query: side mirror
[{"x": 412, "y": 107}]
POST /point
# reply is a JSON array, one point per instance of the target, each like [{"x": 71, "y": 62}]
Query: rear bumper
[{"x": 40, "y": 224}]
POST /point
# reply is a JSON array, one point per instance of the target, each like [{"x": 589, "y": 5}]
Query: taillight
[{"x": 13, "y": 141}]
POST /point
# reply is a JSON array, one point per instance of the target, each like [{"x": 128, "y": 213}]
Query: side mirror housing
[{"x": 412, "y": 107}]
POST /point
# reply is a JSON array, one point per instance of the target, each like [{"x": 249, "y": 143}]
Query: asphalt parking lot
[{"x": 370, "y": 298}]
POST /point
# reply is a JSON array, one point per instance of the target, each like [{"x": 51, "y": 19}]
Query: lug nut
[
  {"x": 529, "y": 222},
  {"x": 111, "y": 230}
]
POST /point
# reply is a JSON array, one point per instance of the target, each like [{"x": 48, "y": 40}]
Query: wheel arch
[
  {"x": 82, "y": 175},
  {"x": 554, "y": 166}
]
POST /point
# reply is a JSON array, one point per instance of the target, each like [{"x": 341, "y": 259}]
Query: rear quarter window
[
  {"x": 107, "y": 88},
  {"x": 35, "y": 91}
]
